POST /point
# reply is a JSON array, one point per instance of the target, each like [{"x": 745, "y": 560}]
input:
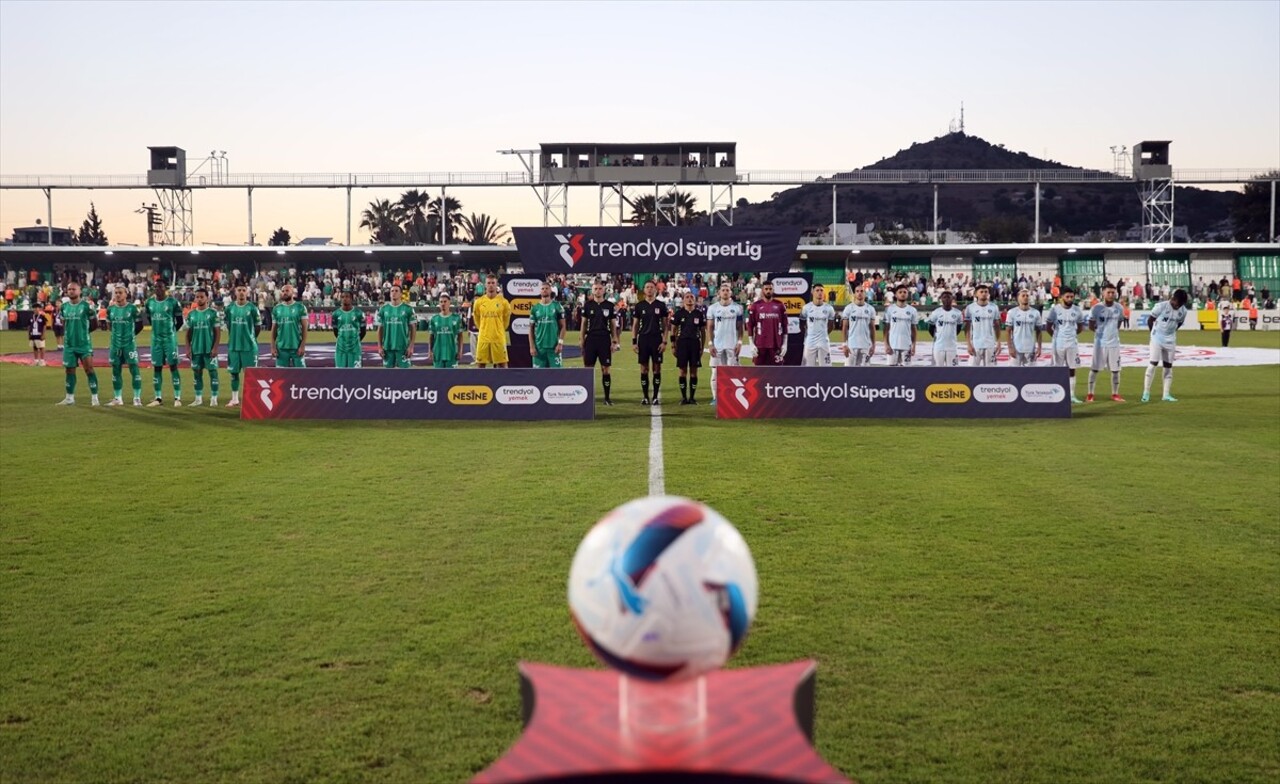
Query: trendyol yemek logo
[
  {"x": 570, "y": 248},
  {"x": 271, "y": 392}
]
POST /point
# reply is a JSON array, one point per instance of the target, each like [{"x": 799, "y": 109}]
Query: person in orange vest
[
  {"x": 1252, "y": 305},
  {"x": 1235, "y": 287}
]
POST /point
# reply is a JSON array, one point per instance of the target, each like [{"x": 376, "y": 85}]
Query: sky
[{"x": 292, "y": 87}]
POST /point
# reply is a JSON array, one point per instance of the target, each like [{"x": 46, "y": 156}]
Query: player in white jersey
[
  {"x": 858, "y": 330},
  {"x": 945, "y": 323},
  {"x": 1064, "y": 322},
  {"x": 1024, "y": 324},
  {"x": 1164, "y": 323},
  {"x": 982, "y": 328},
  {"x": 817, "y": 316},
  {"x": 1105, "y": 320},
  {"x": 900, "y": 329},
  {"x": 724, "y": 333}
]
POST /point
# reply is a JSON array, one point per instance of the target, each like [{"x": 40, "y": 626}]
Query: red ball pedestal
[{"x": 749, "y": 725}]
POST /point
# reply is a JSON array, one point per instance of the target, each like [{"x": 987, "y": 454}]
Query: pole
[
  {"x": 833, "y": 215},
  {"x": 348, "y": 216},
  {"x": 48, "y": 195},
  {"x": 1271, "y": 234},
  {"x": 444, "y": 216},
  {"x": 250, "y": 191},
  {"x": 935, "y": 213},
  {"x": 1037, "y": 239}
]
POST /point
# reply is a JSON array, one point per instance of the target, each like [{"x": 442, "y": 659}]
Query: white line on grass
[{"x": 657, "y": 476}]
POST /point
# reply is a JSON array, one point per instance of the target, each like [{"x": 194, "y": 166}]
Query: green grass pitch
[{"x": 185, "y": 597}]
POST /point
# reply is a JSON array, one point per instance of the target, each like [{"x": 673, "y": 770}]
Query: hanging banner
[
  {"x": 374, "y": 393},
  {"x": 640, "y": 249},
  {"x": 895, "y": 393}
]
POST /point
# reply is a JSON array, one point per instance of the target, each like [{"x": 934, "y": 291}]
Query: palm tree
[
  {"x": 483, "y": 230},
  {"x": 453, "y": 208},
  {"x": 382, "y": 219},
  {"x": 413, "y": 216},
  {"x": 644, "y": 212}
]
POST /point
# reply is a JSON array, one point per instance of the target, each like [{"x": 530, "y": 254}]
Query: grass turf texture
[{"x": 187, "y": 597}]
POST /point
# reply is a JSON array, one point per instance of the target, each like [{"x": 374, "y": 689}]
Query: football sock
[
  {"x": 693, "y": 387},
  {"x": 157, "y": 380},
  {"x": 1115, "y": 383},
  {"x": 213, "y": 382},
  {"x": 657, "y": 384},
  {"x": 684, "y": 388},
  {"x": 93, "y": 382},
  {"x": 71, "y": 383},
  {"x": 1093, "y": 380},
  {"x": 1146, "y": 380},
  {"x": 137, "y": 380},
  {"x": 117, "y": 379},
  {"x": 1168, "y": 380},
  {"x": 177, "y": 384},
  {"x": 197, "y": 380},
  {"x": 235, "y": 383},
  {"x": 607, "y": 382},
  {"x": 644, "y": 384},
  {"x": 1072, "y": 383}
]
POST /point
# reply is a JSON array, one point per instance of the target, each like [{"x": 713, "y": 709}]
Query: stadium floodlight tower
[
  {"x": 1154, "y": 174},
  {"x": 625, "y": 174},
  {"x": 168, "y": 176}
]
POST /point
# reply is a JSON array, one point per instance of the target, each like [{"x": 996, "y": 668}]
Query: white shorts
[
  {"x": 983, "y": 357},
  {"x": 816, "y": 357},
  {"x": 858, "y": 357},
  {"x": 899, "y": 357},
  {"x": 1106, "y": 358},
  {"x": 1161, "y": 355},
  {"x": 723, "y": 356},
  {"x": 37, "y": 344},
  {"x": 1067, "y": 357},
  {"x": 944, "y": 357},
  {"x": 1025, "y": 359}
]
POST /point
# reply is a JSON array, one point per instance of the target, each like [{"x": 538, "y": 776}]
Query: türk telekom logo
[
  {"x": 570, "y": 248},
  {"x": 271, "y": 392}
]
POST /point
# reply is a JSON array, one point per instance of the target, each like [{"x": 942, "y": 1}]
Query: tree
[
  {"x": 91, "y": 232},
  {"x": 414, "y": 222},
  {"x": 382, "y": 220},
  {"x": 279, "y": 237},
  {"x": 483, "y": 230},
  {"x": 1251, "y": 217},
  {"x": 453, "y": 211},
  {"x": 644, "y": 210}
]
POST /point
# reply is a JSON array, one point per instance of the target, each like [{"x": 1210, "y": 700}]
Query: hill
[{"x": 993, "y": 212}]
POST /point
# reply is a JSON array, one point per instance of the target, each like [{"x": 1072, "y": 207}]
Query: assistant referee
[
  {"x": 599, "y": 337},
  {"x": 648, "y": 339}
]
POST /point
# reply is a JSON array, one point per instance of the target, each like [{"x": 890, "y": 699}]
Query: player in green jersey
[
  {"x": 445, "y": 335},
  {"x": 289, "y": 330},
  {"x": 78, "y": 319},
  {"x": 203, "y": 328},
  {"x": 243, "y": 322},
  {"x": 125, "y": 322},
  {"x": 165, "y": 315},
  {"x": 396, "y": 330},
  {"x": 546, "y": 330},
  {"x": 348, "y": 330}
]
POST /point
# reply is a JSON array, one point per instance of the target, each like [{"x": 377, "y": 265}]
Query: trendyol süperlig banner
[
  {"x": 373, "y": 393},
  {"x": 907, "y": 393},
  {"x": 657, "y": 249}
]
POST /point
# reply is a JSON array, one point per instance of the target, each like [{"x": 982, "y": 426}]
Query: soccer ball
[{"x": 663, "y": 588}]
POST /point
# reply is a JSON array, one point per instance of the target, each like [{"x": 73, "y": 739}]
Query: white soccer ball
[{"x": 663, "y": 588}]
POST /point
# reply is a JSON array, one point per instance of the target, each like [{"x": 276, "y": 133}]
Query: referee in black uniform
[
  {"x": 649, "y": 339},
  {"x": 688, "y": 328},
  {"x": 599, "y": 336}
]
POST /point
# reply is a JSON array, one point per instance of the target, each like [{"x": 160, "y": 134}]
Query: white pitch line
[{"x": 657, "y": 474}]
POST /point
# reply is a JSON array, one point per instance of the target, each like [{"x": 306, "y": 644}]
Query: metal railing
[{"x": 519, "y": 178}]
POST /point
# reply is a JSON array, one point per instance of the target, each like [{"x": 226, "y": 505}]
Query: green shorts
[
  {"x": 290, "y": 359},
  {"x": 123, "y": 356},
  {"x": 236, "y": 360},
  {"x": 346, "y": 359},
  {"x": 164, "y": 353},
  {"x": 395, "y": 359},
  {"x": 546, "y": 358},
  {"x": 204, "y": 362},
  {"x": 444, "y": 363},
  {"x": 73, "y": 356}
]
